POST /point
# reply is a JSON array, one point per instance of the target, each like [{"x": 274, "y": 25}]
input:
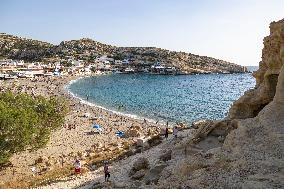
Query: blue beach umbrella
[
  {"x": 119, "y": 134},
  {"x": 97, "y": 127}
]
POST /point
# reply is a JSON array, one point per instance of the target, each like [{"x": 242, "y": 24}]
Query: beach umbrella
[
  {"x": 97, "y": 127},
  {"x": 120, "y": 134}
]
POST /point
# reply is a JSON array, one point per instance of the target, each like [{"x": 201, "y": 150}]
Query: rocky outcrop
[
  {"x": 252, "y": 152},
  {"x": 255, "y": 100},
  {"x": 141, "y": 163}
]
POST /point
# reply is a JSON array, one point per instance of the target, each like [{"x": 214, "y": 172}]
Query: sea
[{"x": 181, "y": 98}]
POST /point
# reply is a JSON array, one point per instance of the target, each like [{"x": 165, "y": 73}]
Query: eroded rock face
[
  {"x": 255, "y": 100},
  {"x": 252, "y": 137}
]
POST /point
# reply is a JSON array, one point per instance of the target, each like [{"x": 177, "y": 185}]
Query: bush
[{"x": 26, "y": 122}]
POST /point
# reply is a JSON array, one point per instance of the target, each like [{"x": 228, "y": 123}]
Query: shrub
[{"x": 26, "y": 122}]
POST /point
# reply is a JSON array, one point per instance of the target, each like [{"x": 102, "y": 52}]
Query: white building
[
  {"x": 125, "y": 62},
  {"x": 118, "y": 62}
]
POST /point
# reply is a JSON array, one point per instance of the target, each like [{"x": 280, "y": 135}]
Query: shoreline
[
  {"x": 93, "y": 104},
  {"x": 70, "y": 143}
]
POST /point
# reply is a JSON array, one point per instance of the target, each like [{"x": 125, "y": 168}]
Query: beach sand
[{"x": 66, "y": 144}]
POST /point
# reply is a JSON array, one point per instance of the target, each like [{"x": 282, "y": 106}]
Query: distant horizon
[{"x": 231, "y": 31}]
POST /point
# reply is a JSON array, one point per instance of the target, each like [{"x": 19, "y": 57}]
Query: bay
[{"x": 185, "y": 98}]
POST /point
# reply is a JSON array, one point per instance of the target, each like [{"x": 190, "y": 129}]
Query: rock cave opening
[{"x": 271, "y": 83}]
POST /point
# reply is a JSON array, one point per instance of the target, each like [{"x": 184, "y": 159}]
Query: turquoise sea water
[{"x": 165, "y": 98}]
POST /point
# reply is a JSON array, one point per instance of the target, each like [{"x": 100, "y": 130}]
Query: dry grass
[
  {"x": 223, "y": 162},
  {"x": 58, "y": 175},
  {"x": 33, "y": 181}
]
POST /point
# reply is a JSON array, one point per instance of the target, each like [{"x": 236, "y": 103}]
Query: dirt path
[{"x": 119, "y": 170}]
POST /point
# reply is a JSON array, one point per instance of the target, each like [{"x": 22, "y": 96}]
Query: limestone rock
[
  {"x": 200, "y": 123},
  {"x": 141, "y": 163},
  {"x": 140, "y": 142},
  {"x": 154, "y": 174},
  {"x": 166, "y": 156},
  {"x": 139, "y": 174},
  {"x": 155, "y": 140},
  {"x": 204, "y": 129},
  {"x": 256, "y": 99}
]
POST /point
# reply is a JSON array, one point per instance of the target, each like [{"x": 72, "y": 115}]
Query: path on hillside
[{"x": 119, "y": 170}]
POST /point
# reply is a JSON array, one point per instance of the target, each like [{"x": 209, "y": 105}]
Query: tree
[{"x": 26, "y": 122}]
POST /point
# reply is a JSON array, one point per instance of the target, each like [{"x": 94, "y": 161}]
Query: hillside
[
  {"x": 20, "y": 48},
  {"x": 88, "y": 49}
]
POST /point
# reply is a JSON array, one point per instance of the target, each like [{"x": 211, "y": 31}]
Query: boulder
[
  {"x": 141, "y": 142},
  {"x": 154, "y": 174},
  {"x": 204, "y": 128},
  {"x": 155, "y": 140},
  {"x": 201, "y": 123},
  {"x": 166, "y": 156},
  {"x": 139, "y": 174},
  {"x": 141, "y": 163}
]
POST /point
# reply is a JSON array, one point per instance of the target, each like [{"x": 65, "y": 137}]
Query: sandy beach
[{"x": 76, "y": 138}]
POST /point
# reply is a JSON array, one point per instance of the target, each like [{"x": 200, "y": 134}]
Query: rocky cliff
[
  {"x": 88, "y": 49},
  {"x": 266, "y": 77},
  {"x": 247, "y": 149}
]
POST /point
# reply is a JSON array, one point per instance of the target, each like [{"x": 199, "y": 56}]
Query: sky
[{"x": 231, "y": 30}]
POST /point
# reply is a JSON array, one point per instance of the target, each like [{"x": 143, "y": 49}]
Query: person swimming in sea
[{"x": 121, "y": 107}]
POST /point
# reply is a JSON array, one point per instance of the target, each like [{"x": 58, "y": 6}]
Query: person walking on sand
[
  {"x": 77, "y": 166},
  {"x": 175, "y": 131},
  {"x": 166, "y": 132},
  {"x": 106, "y": 171}
]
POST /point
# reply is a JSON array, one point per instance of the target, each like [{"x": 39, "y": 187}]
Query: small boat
[
  {"x": 129, "y": 70},
  {"x": 48, "y": 74},
  {"x": 10, "y": 76}
]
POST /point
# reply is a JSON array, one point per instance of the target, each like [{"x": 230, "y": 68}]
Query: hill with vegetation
[{"x": 88, "y": 50}]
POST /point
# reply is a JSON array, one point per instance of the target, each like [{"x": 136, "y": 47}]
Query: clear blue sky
[{"x": 232, "y": 30}]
